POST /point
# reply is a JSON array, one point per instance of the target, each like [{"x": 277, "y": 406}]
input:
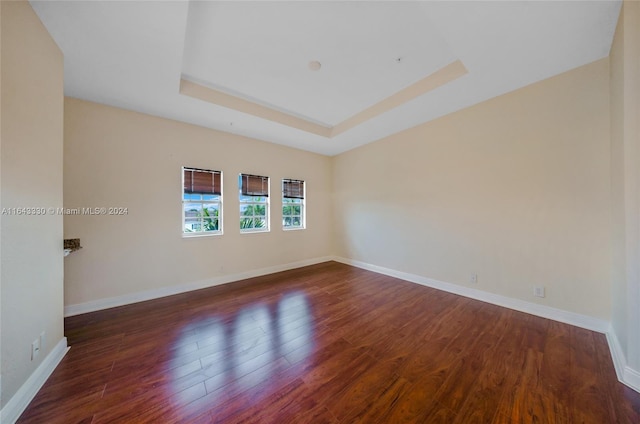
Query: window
[
  {"x": 201, "y": 201},
  {"x": 292, "y": 204},
  {"x": 254, "y": 203}
]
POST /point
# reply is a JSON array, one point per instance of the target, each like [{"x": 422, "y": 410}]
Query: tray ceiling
[{"x": 245, "y": 67}]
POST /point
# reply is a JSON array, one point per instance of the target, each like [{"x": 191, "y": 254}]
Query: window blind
[
  {"x": 293, "y": 189},
  {"x": 255, "y": 185},
  {"x": 202, "y": 181}
]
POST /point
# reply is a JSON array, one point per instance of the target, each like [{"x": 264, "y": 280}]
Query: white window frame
[
  {"x": 302, "y": 204},
  {"x": 266, "y": 202},
  {"x": 202, "y": 202}
]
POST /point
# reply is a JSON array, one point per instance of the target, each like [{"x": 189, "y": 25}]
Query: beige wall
[
  {"x": 118, "y": 158},
  {"x": 625, "y": 177},
  {"x": 515, "y": 190},
  {"x": 31, "y": 168}
]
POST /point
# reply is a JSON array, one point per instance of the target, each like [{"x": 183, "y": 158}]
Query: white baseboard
[
  {"x": 631, "y": 378},
  {"x": 617, "y": 354},
  {"x": 19, "y": 402},
  {"x": 626, "y": 375},
  {"x": 579, "y": 320},
  {"x": 112, "y": 302}
]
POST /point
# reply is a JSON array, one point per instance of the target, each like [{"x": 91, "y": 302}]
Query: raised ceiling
[
  {"x": 243, "y": 67},
  {"x": 368, "y": 51}
]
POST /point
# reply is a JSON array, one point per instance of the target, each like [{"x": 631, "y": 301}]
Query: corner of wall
[
  {"x": 31, "y": 261},
  {"x": 624, "y": 81},
  {"x": 19, "y": 402},
  {"x": 626, "y": 375}
]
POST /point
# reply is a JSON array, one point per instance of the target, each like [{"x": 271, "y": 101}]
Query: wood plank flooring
[{"x": 329, "y": 343}]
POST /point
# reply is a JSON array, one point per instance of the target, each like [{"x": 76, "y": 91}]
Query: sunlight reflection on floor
[{"x": 243, "y": 352}]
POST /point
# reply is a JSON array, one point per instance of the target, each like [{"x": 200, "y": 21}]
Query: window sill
[
  {"x": 294, "y": 229},
  {"x": 199, "y": 235},
  {"x": 254, "y": 231}
]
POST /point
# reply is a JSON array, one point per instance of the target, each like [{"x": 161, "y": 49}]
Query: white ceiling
[
  {"x": 132, "y": 54},
  {"x": 261, "y": 50}
]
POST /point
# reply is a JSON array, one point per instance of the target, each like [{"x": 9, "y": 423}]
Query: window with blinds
[
  {"x": 293, "y": 202},
  {"x": 201, "y": 201},
  {"x": 254, "y": 203}
]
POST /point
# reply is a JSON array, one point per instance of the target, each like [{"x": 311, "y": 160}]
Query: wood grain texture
[{"x": 329, "y": 343}]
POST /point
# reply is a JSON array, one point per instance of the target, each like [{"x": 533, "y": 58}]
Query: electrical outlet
[
  {"x": 473, "y": 279},
  {"x": 43, "y": 340},
  {"x": 538, "y": 291},
  {"x": 35, "y": 348}
]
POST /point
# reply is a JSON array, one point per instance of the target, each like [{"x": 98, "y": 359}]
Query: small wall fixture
[{"x": 314, "y": 65}]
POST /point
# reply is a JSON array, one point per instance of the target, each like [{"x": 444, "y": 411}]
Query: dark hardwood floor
[{"x": 329, "y": 343}]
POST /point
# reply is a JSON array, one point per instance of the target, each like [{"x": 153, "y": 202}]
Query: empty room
[{"x": 320, "y": 212}]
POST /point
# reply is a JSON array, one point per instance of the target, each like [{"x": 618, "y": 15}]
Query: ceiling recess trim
[{"x": 442, "y": 76}]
